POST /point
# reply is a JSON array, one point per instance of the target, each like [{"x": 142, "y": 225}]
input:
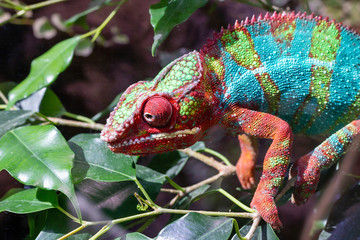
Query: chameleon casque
[{"x": 268, "y": 77}]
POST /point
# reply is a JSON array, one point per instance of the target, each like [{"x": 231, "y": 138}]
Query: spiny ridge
[{"x": 275, "y": 16}]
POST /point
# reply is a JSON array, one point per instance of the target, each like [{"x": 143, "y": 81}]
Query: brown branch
[{"x": 72, "y": 123}]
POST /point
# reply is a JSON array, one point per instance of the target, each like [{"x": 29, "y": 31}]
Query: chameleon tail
[{"x": 307, "y": 169}]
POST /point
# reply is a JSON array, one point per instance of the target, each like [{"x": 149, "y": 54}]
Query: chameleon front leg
[
  {"x": 307, "y": 169},
  {"x": 264, "y": 125},
  {"x": 245, "y": 166}
]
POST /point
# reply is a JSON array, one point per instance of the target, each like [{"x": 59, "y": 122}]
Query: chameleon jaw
[{"x": 151, "y": 140}]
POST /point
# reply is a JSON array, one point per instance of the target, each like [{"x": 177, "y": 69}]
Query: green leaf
[
  {"x": 84, "y": 48},
  {"x": 28, "y": 201},
  {"x": 57, "y": 225},
  {"x": 39, "y": 156},
  {"x": 80, "y": 18},
  {"x": 116, "y": 199},
  {"x": 51, "y": 105},
  {"x": 44, "y": 70},
  {"x": 166, "y": 14},
  {"x": 36, "y": 222},
  {"x": 12, "y": 119},
  {"x": 94, "y": 160},
  {"x": 136, "y": 236},
  {"x": 44, "y": 101},
  {"x": 263, "y": 232},
  {"x": 197, "y": 226}
]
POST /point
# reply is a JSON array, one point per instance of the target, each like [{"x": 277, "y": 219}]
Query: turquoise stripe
[{"x": 242, "y": 87}]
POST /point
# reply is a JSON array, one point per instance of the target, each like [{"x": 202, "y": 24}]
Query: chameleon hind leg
[
  {"x": 245, "y": 167},
  {"x": 307, "y": 168}
]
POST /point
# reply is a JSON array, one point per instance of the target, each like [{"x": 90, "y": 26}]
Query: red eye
[{"x": 157, "y": 111}]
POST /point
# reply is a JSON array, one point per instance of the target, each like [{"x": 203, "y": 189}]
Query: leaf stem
[
  {"x": 42, "y": 4},
  {"x": 103, "y": 230},
  {"x": 96, "y": 32},
  {"x": 3, "y": 97},
  {"x": 68, "y": 214},
  {"x": 234, "y": 200},
  {"x": 205, "y": 159},
  {"x": 73, "y": 232},
  {"x": 218, "y": 155},
  {"x": 142, "y": 189},
  {"x": 236, "y": 226},
  {"x": 174, "y": 184},
  {"x": 78, "y": 117},
  {"x": 72, "y": 123}
]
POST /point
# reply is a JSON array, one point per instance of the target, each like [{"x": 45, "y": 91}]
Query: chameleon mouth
[{"x": 155, "y": 137}]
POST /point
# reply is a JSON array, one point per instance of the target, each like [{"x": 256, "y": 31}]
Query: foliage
[{"x": 35, "y": 152}]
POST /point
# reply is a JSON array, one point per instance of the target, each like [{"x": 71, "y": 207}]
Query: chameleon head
[{"x": 170, "y": 112}]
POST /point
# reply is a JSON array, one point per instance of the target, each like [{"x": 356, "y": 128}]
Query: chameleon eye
[{"x": 157, "y": 111}]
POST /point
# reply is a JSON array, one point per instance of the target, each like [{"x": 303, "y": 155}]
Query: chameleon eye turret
[{"x": 157, "y": 112}]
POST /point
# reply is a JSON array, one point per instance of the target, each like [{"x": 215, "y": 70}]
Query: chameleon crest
[{"x": 162, "y": 114}]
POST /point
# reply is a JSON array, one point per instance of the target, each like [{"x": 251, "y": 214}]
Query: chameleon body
[{"x": 268, "y": 77}]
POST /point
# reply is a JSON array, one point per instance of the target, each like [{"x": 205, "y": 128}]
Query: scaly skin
[{"x": 265, "y": 78}]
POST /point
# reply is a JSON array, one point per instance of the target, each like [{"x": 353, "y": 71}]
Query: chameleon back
[{"x": 304, "y": 69}]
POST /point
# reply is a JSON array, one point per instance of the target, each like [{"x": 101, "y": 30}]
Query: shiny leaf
[
  {"x": 94, "y": 160},
  {"x": 136, "y": 236},
  {"x": 197, "y": 226},
  {"x": 166, "y": 14},
  {"x": 51, "y": 105},
  {"x": 12, "y": 119},
  {"x": 28, "y": 201},
  {"x": 57, "y": 225},
  {"x": 39, "y": 156},
  {"x": 44, "y": 101},
  {"x": 44, "y": 70}
]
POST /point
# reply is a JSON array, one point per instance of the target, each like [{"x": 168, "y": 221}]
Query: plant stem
[
  {"x": 103, "y": 230},
  {"x": 78, "y": 117},
  {"x": 252, "y": 230},
  {"x": 234, "y": 200},
  {"x": 236, "y": 226},
  {"x": 142, "y": 189},
  {"x": 72, "y": 123},
  {"x": 96, "y": 32},
  {"x": 208, "y": 213},
  {"x": 42, "y": 4},
  {"x": 67, "y": 214},
  {"x": 73, "y": 232},
  {"x": 205, "y": 159},
  {"x": 174, "y": 184},
  {"x": 218, "y": 155},
  {"x": 141, "y": 215}
]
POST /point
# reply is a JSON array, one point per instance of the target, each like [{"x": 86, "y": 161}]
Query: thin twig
[
  {"x": 173, "y": 191},
  {"x": 3, "y": 98},
  {"x": 72, "y": 123},
  {"x": 288, "y": 185},
  {"x": 205, "y": 159},
  {"x": 256, "y": 221}
]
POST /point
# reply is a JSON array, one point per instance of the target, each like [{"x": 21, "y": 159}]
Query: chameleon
[{"x": 269, "y": 77}]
